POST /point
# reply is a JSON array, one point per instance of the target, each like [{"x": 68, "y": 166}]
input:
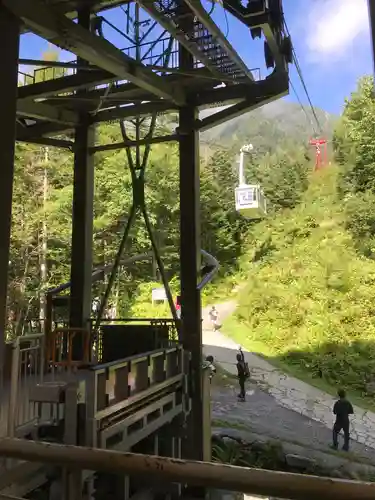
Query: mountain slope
[
  {"x": 308, "y": 300},
  {"x": 273, "y": 124}
]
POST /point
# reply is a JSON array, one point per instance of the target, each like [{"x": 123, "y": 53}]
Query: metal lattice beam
[
  {"x": 198, "y": 9},
  {"x": 64, "y": 33}
]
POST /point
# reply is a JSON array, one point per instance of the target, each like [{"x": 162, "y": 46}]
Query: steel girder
[
  {"x": 141, "y": 142},
  {"x": 233, "y": 111},
  {"x": 50, "y": 141},
  {"x": 70, "y": 83},
  {"x": 260, "y": 93},
  {"x": 52, "y": 114},
  {"x": 134, "y": 110},
  {"x": 37, "y": 131},
  {"x": 246, "y": 97},
  {"x": 203, "y": 16},
  {"x": 190, "y": 43},
  {"x": 115, "y": 108},
  {"x": 64, "y": 33},
  {"x": 277, "y": 84},
  {"x": 266, "y": 20},
  {"x": 70, "y": 7}
]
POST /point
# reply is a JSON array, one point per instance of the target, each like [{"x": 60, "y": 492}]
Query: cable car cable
[
  {"x": 310, "y": 122},
  {"x": 299, "y": 71}
]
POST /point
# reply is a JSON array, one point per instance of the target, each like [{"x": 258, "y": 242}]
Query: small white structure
[
  {"x": 250, "y": 199},
  {"x": 158, "y": 295}
]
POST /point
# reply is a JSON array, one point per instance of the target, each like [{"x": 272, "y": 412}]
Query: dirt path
[{"x": 292, "y": 407}]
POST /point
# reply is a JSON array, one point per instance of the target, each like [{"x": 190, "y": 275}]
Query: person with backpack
[{"x": 242, "y": 373}]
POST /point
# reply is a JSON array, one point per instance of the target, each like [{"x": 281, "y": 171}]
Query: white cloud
[{"x": 335, "y": 28}]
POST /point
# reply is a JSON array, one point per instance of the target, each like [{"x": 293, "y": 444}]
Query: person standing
[
  {"x": 342, "y": 409},
  {"x": 178, "y": 306},
  {"x": 209, "y": 363},
  {"x": 242, "y": 376},
  {"x": 214, "y": 317}
]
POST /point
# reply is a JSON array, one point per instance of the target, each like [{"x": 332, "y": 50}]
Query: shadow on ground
[
  {"x": 347, "y": 365},
  {"x": 262, "y": 412}
]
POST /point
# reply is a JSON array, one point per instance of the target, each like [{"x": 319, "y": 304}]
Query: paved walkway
[{"x": 287, "y": 391}]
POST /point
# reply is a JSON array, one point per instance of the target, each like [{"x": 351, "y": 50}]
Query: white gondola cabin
[{"x": 250, "y": 199}]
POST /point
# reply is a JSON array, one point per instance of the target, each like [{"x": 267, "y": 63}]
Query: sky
[{"x": 331, "y": 39}]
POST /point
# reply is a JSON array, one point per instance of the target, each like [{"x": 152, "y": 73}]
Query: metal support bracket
[{"x": 137, "y": 171}]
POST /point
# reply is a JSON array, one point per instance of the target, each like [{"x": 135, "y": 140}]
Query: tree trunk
[{"x": 43, "y": 253}]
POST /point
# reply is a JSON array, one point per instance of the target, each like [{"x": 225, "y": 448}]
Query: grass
[
  {"x": 240, "y": 333},
  {"x": 222, "y": 377},
  {"x": 307, "y": 305},
  {"x": 225, "y": 424}
]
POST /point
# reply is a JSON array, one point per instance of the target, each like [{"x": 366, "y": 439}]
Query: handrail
[
  {"x": 99, "y": 272},
  {"x": 204, "y": 474},
  {"x": 129, "y": 359}
]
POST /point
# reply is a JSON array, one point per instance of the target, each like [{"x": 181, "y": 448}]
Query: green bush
[{"x": 308, "y": 301}]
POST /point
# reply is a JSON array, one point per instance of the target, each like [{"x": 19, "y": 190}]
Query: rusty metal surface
[{"x": 214, "y": 475}]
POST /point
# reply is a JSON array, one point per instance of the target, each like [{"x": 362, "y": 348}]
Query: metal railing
[
  {"x": 152, "y": 53},
  {"x": 187, "y": 472}
]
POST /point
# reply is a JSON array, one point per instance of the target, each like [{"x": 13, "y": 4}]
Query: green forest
[
  {"x": 305, "y": 273},
  {"x": 41, "y": 233},
  {"x": 309, "y": 271}
]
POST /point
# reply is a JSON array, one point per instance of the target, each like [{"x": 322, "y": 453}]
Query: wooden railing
[
  {"x": 27, "y": 369},
  {"x": 114, "y": 389}
]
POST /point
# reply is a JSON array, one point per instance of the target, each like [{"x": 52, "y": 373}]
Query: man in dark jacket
[
  {"x": 242, "y": 375},
  {"x": 342, "y": 409}
]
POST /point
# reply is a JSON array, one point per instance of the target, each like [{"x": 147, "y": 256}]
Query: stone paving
[{"x": 289, "y": 392}]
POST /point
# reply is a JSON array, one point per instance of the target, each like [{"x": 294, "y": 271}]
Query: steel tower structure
[{"x": 174, "y": 59}]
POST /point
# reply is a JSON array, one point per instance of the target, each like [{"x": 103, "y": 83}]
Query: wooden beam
[{"x": 61, "y": 31}]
